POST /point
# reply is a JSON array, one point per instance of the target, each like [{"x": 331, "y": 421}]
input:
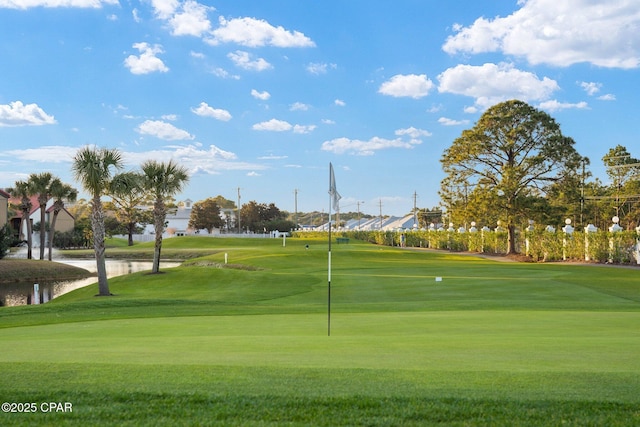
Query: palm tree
[
  {"x": 162, "y": 180},
  {"x": 59, "y": 192},
  {"x": 92, "y": 167},
  {"x": 39, "y": 184},
  {"x": 21, "y": 189}
]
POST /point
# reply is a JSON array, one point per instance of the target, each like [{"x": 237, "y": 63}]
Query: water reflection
[{"x": 24, "y": 293}]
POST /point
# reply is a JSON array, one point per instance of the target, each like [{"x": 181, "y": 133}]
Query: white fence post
[
  {"x": 638, "y": 245},
  {"x": 588, "y": 230}
]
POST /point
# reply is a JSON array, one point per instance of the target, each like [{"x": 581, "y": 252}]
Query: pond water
[{"x": 24, "y": 293}]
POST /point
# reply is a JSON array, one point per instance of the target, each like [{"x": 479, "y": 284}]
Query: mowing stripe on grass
[{"x": 452, "y": 341}]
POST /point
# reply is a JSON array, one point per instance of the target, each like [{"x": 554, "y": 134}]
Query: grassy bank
[
  {"x": 20, "y": 270},
  {"x": 245, "y": 343}
]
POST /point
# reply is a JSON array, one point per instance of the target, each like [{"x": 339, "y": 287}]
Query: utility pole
[
  {"x": 415, "y": 209},
  {"x": 359, "y": 203},
  {"x": 295, "y": 206},
  {"x": 239, "y": 225},
  {"x": 380, "y": 204},
  {"x": 582, "y": 196}
]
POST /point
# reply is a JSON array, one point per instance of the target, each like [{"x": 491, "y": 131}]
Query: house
[
  {"x": 391, "y": 223},
  {"x": 64, "y": 222},
  {"x": 4, "y": 207},
  {"x": 178, "y": 220}
]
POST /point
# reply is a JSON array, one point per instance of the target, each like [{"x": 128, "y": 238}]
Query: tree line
[
  {"x": 516, "y": 166},
  {"x": 99, "y": 171}
]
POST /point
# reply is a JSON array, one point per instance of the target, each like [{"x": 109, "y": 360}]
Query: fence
[{"x": 540, "y": 244}]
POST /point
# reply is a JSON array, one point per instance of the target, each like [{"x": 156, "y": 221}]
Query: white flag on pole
[{"x": 335, "y": 196}]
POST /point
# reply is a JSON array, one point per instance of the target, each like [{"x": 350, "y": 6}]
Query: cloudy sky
[{"x": 262, "y": 95}]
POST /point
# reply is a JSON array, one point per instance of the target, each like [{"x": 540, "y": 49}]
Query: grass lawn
[{"x": 493, "y": 343}]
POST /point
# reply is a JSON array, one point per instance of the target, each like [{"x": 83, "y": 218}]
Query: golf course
[{"x": 416, "y": 337}]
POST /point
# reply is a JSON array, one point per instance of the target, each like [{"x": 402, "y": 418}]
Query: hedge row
[{"x": 603, "y": 247}]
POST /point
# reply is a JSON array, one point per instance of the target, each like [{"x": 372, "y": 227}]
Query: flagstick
[
  {"x": 334, "y": 197},
  {"x": 329, "y": 277}
]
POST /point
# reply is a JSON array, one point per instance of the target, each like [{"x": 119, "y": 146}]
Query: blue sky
[{"x": 262, "y": 95}]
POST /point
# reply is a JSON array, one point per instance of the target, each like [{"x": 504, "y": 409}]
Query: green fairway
[{"x": 493, "y": 343}]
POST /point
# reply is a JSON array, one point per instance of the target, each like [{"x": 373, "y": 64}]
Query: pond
[{"x": 24, "y": 293}]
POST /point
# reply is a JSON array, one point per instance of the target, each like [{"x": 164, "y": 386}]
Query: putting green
[{"x": 453, "y": 341}]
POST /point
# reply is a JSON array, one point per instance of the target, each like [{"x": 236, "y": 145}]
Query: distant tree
[
  {"x": 206, "y": 215},
  {"x": 162, "y": 181},
  {"x": 59, "y": 192},
  {"x": 39, "y": 185},
  {"x": 6, "y": 239},
  {"x": 22, "y": 190},
  {"x": 224, "y": 203},
  {"x": 113, "y": 226},
  {"x": 93, "y": 168},
  {"x": 127, "y": 194},
  {"x": 426, "y": 217},
  {"x": 262, "y": 217},
  {"x": 80, "y": 209},
  {"x": 250, "y": 215},
  {"x": 513, "y": 152},
  {"x": 279, "y": 224},
  {"x": 624, "y": 172}
]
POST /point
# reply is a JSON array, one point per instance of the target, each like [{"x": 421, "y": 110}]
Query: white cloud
[
  {"x": 260, "y": 95},
  {"x": 199, "y": 160},
  {"x": 147, "y": 62},
  {"x": 318, "y": 68},
  {"x": 413, "y": 132},
  {"x": 244, "y": 60},
  {"x": 593, "y": 88},
  {"x": 444, "y": 121},
  {"x": 224, "y": 74},
  {"x": 46, "y": 153},
  {"x": 559, "y": 33},
  {"x": 298, "y": 106},
  {"x": 26, "y": 4},
  {"x": 18, "y": 114},
  {"x": 304, "y": 128},
  {"x": 590, "y": 87},
  {"x": 411, "y": 85},
  {"x": 253, "y": 32},
  {"x": 607, "y": 97},
  {"x": 365, "y": 148},
  {"x": 273, "y": 125},
  {"x": 205, "y": 110},
  {"x": 339, "y": 103},
  {"x": 328, "y": 122},
  {"x": 554, "y": 105},
  {"x": 191, "y": 20},
  {"x": 198, "y": 55},
  {"x": 272, "y": 157},
  {"x": 162, "y": 130},
  {"x": 253, "y": 173},
  {"x": 491, "y": 83},
  {"x": 164, "y": 9}
]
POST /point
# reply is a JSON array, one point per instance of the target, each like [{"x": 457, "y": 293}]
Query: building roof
[{"x": 16, "y": 201}]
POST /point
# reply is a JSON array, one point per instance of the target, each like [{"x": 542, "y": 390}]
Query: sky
[{"x": 258, "y": 97}]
